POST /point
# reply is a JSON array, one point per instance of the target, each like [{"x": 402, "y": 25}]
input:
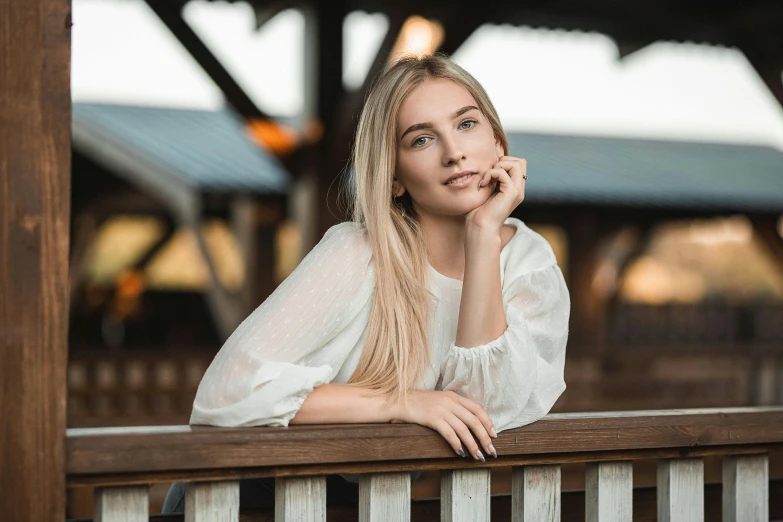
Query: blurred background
[{"x": 209, "y": 140}]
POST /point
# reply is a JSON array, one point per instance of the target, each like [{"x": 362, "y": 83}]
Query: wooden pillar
[
  {"x": 255, "y": 225},
  {"x": 35, "y": 157},
  {"x": 323, "y": 93},
  {"x": 589, "y": 310}
]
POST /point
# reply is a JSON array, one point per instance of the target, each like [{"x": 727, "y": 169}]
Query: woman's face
[{"x": 440, "y": 133}]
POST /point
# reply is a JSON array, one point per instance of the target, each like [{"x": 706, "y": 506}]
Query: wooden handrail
[{"x": 107, "y": 456}]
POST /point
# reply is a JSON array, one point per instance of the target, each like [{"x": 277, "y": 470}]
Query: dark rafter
[{"x": 170, "y": 13}]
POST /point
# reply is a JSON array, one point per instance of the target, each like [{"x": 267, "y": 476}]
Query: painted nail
[
  {"x": 492, "y": 451},
  {"x": 479, "y": 185},
  {"x": 480, "y": 456},
  {"x": 461, "y": 452}
]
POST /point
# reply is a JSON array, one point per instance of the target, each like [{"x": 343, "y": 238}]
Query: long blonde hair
[{"x": 396, "y": 351}]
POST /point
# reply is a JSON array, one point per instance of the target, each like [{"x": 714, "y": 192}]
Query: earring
[{"x": 398, "y": 205}]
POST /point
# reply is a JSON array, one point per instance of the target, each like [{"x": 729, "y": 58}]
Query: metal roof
[
  {"x": 613, "y": 171},
  {"x": 207, "y": 150}
]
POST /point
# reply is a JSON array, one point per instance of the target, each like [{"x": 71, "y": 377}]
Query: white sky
[{"x": 540, "y": 80}]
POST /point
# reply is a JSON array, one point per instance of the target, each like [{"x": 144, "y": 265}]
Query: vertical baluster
[
  {"x": 212, "y": 502},
  {"x": 300, "y": 499},
  {"x": 464, "y": 495},
  {"x": 535, "y": 494},
  {"x": 385, "y": 497},
  {"x": 746, "y": 488},
  {"x": 609, "y": 492},
  {"x": 122, "y": 504},
  {"x": 680, "y": 490}
]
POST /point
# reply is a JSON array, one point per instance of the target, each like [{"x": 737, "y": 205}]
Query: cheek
[{"x": 415, "y": 170}]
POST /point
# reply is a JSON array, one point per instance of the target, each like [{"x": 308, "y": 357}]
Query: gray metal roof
[
  {"x": 611, "y": 171},
  {"x": 207, "y": 150}
]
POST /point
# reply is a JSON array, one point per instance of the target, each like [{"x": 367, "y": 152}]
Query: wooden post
[
  {"x": 464, "y": 495},
  {"x": 35, "y": 156},
  {"x": 385, "y": 497},
  {"x": 122, "y": 504},
  {"x": 535, "y": 493},
  {"x": 681, "y": 490},
  {"x": 609, "y": 492},
  {"x": 212, "y": 502},
  {"x": 746, "y": 488},
  {"x": 300, "y": 499}
]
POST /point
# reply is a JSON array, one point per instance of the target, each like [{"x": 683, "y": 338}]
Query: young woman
[{"x": 432, "y": 306}]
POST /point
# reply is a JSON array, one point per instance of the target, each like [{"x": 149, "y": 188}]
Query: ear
[
  {"x": 397, "y": 188},
  {"x": 499, "y": 148}
]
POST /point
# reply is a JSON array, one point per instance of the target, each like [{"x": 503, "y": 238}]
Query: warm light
[
  {"x": 687, "y": 261},
  {"x": 179, "y": 265},
  {"x": 650, "y": 281},
  {"x": 120, "y": 242},
  {"x": 418, "y": 37},
  {"x": 780, "y": 226},
  {"x": 272, "y": 136},
  {"x": 734, "y": 229}
]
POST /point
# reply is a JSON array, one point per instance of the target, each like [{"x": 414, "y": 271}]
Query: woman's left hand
[{"x": 507, "y": 181}]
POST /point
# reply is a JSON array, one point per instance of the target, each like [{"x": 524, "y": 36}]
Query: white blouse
[{"x": 312, "y": 329}]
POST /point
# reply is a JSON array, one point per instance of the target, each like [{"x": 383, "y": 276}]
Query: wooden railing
[{"x": 122, "y": 462}]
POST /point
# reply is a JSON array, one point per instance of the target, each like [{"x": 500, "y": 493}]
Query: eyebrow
[{"x": 428, "y": 125}]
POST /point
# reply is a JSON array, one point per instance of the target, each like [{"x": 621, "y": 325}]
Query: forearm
[
  {"x": 340, "y": 403},
  {"x": 481, "y": 313}
]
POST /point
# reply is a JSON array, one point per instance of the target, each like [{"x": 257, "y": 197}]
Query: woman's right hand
[{"x": 454, "y": 417}]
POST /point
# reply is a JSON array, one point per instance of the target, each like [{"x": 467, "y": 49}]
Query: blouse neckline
[{"x": 456, "y": 283}]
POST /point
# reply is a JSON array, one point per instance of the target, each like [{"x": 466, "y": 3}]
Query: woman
[{"x": 432, "y": 306}]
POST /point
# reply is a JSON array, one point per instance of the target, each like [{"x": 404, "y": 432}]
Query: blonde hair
[{"x": 397, "y": 350}]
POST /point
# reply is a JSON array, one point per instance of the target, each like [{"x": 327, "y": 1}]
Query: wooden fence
[{"x": 122, "y": 462}]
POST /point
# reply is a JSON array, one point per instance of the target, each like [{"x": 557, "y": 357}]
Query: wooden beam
[
  {"x": 324, "y": 449},
  {"x": 170, "y": 13},
  {"x": 35, "y": 158}
]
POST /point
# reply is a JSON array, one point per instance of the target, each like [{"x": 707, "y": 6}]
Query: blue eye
[
  {"x": 472, "y": 122},
  {"x": 418, "y": 141}
]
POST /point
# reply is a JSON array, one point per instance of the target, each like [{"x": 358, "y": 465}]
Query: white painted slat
[
  {"x": 212, "y": 502},
  {"x": 464, "y": 495},
  {"x": 300, "y": 499},
  {"x": 681, "y": 490},
  {"x": 746, "y": 488},
  {"x": 385, "y": 497},
  {"x": 609, "y": 492},
  {"x": 122, "y": 504},
  {"x": 535, "y": 494}
]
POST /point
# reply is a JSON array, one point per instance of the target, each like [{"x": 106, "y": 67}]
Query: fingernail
[
  {"x": 461, "y": 452},
  {"x": 479, "y": 185},
  {"x": 480, "y": 456},
  {"x": 493, "y": 432},
  {"x": 492, "y": 451}
]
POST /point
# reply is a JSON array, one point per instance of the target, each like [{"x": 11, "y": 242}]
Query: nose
[{"x": 452, "y": 152}]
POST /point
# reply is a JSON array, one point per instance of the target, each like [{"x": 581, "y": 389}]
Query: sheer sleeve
[
  {"x": 519, "y": 376},
  {"x": 295, "y": 340}
]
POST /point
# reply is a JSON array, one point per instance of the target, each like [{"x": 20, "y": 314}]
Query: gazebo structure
[{"x": 38, "y": 455}]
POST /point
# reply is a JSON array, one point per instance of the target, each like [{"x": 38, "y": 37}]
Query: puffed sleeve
[
  {"x": 297, "y": 339},
  {"x": 519, "y": 376}
]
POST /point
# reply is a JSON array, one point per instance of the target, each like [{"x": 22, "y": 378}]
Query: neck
[{"x": 445, "y": 236}]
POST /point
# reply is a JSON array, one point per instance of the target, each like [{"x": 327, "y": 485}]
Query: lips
[{"x": 463, "y": 174}]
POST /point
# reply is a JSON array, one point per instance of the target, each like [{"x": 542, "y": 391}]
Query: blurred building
[{"x": 185, "y": 219}]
